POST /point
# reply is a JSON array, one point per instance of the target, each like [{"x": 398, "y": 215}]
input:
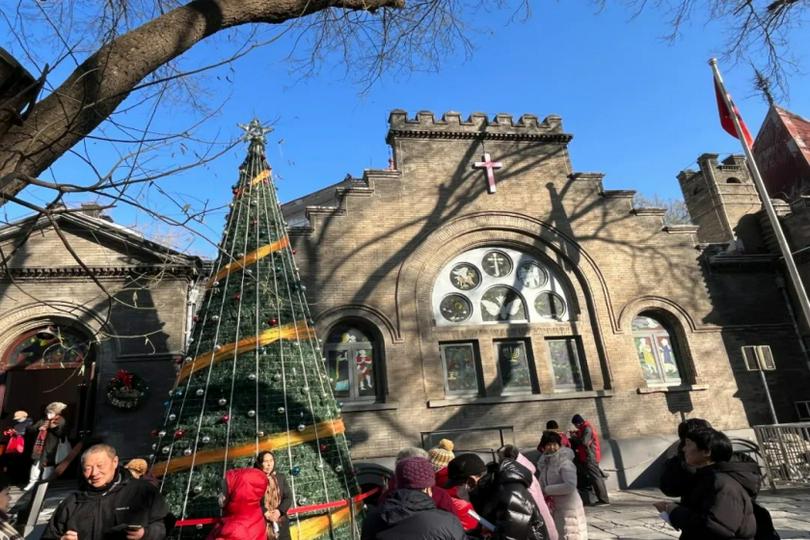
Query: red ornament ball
[
  {"x": 324, "y": 447},
  {"x": 237, "y": 296},
  {"x": 154, "y": 433},
  {"x": 272, "y": 322},
  {"x": 225, "y": 418},
  {"x": 179, "y": 434}
]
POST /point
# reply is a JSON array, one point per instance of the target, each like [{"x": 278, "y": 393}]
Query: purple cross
[{"x": 490, "y": 166}]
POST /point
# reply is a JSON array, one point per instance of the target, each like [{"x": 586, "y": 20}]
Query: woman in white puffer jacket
[{"x": 558, "y": 478}]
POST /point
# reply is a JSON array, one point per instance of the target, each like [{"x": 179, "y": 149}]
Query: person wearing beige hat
[
  {"x": 441, "y": 454},
  {"x": 137, "y": 467},
  {"x": 50, "y": 431}
]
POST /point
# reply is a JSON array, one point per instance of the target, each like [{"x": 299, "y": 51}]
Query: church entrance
[{"x": 47, "y": 364}]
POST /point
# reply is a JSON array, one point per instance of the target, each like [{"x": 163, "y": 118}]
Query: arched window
[
  {"x": 493, "y": 285},
  {"x": 656, "y": 350},
  {"x": 351, "y": 353},
  {"x": 48, "y": 347}
]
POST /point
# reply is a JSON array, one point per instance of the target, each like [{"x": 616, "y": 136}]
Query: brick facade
[
  {"x": 139, "y": 326},
  {"x": 373, "y": 250}
]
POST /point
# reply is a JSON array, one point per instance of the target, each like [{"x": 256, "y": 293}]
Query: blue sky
[{"x": 640, "y": 108}]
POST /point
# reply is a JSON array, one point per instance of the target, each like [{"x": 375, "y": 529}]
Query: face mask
[{"x": 50, "y": 415}]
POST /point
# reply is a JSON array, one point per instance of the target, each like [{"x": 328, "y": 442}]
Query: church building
[{"x": 482, "y": 283}]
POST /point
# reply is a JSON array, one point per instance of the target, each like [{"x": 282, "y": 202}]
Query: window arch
[
  {"x": 49, "y": 346},
  {"x": 352, "y": 354},
  {"x": 657, "y": 350},
  {"x": 499, "y": 285}
]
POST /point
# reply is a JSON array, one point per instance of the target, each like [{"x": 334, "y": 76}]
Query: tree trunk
[{"x": 105, "y": 79}]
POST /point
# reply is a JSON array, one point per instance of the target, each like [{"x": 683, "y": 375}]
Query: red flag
[{"x": 725, "y": 116}]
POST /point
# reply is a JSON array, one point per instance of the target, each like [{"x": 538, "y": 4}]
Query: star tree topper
[{"x": 255, "y": 131}]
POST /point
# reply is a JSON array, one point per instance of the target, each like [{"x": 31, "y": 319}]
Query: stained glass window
[
  {"x": 502, "y": 304},
  {"x": 350, "y": 363},
  {"x": 549, "y": 305},
  {"x": 487, "y": 285},
  {"x": 565, "y": 365},
  {"x": 460, "y": 371},
  {"x": 513, "y": 366},
  {"x": 456, "y": 308},
  {"x": 49, "y": 347},
  {"x": 654, "y": 348}
]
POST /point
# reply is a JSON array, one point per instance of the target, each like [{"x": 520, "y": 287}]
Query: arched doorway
[{"x": 48, "y": 363}]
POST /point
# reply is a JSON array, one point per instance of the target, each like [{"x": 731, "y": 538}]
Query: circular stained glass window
[
  {"x": 497, "y": 264},
  {"x": 465, "y": 276},
  {"x": 532, "y": 275},
  {"x": 502, "y": 304},
  {"x": 455, "y": 308},
  {"x": 550, "y": 305}
]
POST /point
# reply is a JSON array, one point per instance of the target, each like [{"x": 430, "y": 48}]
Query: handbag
[
  {"x": 62, "y": 450},
  {"x": 16, "y": 444}
]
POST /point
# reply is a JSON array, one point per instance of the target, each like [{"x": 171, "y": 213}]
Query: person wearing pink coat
[{"x": 535, "y": 491}]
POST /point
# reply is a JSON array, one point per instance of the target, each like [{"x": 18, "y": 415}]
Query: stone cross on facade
[{"x": 490, "y": 166}]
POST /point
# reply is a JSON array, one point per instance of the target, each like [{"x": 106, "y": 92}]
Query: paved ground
[{"x": 631, "y": 516}]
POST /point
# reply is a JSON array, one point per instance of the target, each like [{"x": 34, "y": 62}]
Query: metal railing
[
  {"x": 786, "y": 449},
  {"x": 473, "y": 439}
]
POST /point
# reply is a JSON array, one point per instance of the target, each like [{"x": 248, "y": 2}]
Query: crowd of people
[
  {"x": 433, "y": 495},
  {"x": 513, "y": 497}
]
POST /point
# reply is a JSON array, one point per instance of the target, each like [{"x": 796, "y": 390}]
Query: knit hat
[
  {"x": 56, "y": 407},
  {"x": 442, "y": 454},
  {"x": 415, "y": 473},
  {"x": 577, "y": 420},
  {"x": 19, "y": 416},
  {"x": 464, "y": 466},
  {"x": 138, "y": 466}
]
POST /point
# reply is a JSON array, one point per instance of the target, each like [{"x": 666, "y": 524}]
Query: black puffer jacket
[
  {"x": 502, "y": 498},
  {"x": 410, "y": 514},
  {"x": 719, "y": 505},
  {"x": 103, "y": 514}
]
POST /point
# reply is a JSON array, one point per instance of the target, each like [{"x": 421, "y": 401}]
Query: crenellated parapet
[{"x": 478, "y": 126}]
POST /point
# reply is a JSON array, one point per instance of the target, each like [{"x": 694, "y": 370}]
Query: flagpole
[{"x": 793, "y": 271}]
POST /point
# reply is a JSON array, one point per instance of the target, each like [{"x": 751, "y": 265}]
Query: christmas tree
[{"x": 253, "y": 378}]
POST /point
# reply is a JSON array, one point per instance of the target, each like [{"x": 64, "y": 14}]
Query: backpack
[{"x": 765, "y": 528}]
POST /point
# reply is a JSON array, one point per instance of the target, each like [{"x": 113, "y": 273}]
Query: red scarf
[{"x": 39, "y": 444}]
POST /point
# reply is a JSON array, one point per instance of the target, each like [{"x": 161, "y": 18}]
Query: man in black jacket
[
  {"x": 109, "y": 505},
  {"x": 719, "y": 504},
  {"x": 409, "y": 512}
]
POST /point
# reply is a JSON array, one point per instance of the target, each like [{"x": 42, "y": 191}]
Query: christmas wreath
[{"x": 126, "y": 390}]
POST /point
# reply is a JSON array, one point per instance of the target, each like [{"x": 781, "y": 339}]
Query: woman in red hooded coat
[{"x": 242, "y": 515}]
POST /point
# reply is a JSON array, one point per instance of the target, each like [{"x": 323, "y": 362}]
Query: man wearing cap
[
  {"x": 585, "y": 441},
  {"x": 409, "y": 512}
]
